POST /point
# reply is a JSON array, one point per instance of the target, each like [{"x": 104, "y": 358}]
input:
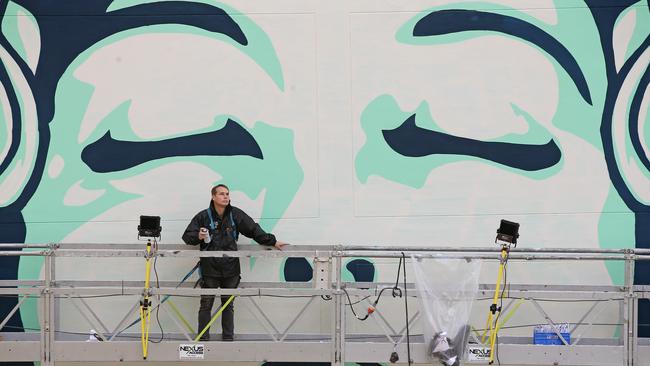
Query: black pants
[{"x": 228, "y": 314}]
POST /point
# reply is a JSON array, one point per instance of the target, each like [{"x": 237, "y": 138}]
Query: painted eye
[
  {"x": 109, "y": 155},
  {"x": 460, "y": 20},
  {"x": 412, "y": 141}
]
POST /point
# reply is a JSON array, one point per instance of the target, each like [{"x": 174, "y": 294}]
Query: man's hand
[
  {"x": 280, "y": 245},
  {"x": 203, "y": 233}
]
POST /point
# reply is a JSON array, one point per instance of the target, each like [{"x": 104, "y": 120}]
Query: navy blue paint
[
  {"x": 17, "y": 127},
  {"x": 633, "y": 121},
  {"x": 413, "y": 141},
  {"x": 297, "y": 270},
  {"x": 458, "y": 20},
  {"x": 362, "y": 270},
  {"x": 110, "y": 155}
]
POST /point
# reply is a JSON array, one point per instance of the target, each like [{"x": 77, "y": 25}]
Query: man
[{"x": 218, "y": 228}]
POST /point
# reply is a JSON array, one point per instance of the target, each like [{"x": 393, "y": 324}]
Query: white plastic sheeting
[{"x": 446, "y": 291}]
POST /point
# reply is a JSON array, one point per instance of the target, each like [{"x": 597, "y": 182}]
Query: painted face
[
  {"x": 149, "y": 118},
  {"x": 466, "y": 128},
  {"x": 140, "y": 116},
  {"x": 221, "y": 197}
]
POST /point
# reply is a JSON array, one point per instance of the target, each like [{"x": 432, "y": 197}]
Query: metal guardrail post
[
  {"x": 337, "y": 339},
  {"x": 53, "y": 307},
  {"x": 629, "y": 320},
  {"x": 635, "y": 331},
  {"x": 47, "y": 327}
]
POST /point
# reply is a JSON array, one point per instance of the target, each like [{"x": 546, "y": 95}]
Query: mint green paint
[
  {"x": 575, "y": 29},
  {"x": 644, "y": 124},
  {"x": 278, "y": 174},
  {"x": 10, "y": 28},
  {"x": 259, "y": 48},
  {"x": 641, "y": 28},
  {"x": 631, "y": 157},
  {"x": 377, "y": 158},
  {"x": 615, "y": 231}
]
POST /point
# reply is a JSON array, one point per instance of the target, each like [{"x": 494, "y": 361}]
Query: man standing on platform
[{"x": 218, "y": 228}]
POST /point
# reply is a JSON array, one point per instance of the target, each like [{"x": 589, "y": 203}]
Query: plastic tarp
[{"x": 446, "y": 291}]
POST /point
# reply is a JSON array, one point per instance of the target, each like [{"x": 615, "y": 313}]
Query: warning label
[
  {"x": 191, "y": 351},
  {"x": 478, "y": 354}
]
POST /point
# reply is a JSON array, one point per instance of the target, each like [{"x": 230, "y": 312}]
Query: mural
[
  {"x": 449, "y": 116},
  {"x": 85, "y": 142},
  {"x": 498, "y": 103}
]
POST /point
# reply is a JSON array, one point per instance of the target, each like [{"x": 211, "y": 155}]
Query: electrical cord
[{"x": 395, "y": 292}]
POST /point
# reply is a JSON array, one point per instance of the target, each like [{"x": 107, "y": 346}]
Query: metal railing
[{"x": 51, "y": 344}]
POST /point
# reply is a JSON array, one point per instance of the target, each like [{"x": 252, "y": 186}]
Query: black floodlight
[
  {"x": 508, "y": 232},
  {"x": 149, "y": 227}
]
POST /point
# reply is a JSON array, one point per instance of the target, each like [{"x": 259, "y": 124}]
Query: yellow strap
[
  {"x": 180, "y": 316},
  {"x": 230, "y": 299},
  {"x": 510, "y": 313}
]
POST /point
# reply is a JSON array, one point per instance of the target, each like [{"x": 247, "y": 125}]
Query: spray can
[{"x": 207, "y": 238}]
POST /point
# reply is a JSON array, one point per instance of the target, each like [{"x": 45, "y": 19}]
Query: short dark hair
[{"x": 214, "y": 189}]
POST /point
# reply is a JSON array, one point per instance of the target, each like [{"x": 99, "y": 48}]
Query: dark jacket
[{"x": 224, "y": 237}]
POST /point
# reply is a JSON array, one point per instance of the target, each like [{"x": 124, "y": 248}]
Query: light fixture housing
[
  {"x": 149, "y": 227},
  {"x": 508, "y": 232}
]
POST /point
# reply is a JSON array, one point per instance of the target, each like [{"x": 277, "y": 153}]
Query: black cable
[
  {"x": 406, "y": 307},
  {"x": 93, "y": 296},
  {"x": 550, "y": 300},
  {"x": 396, "y": 290},
  {"x": 352, "y": 308},
  {"x": 358, "y": 301},
  {"x": 329, "y": 298}
]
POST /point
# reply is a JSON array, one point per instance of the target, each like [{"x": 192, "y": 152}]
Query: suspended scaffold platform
[{"x": 131, "y": 329}]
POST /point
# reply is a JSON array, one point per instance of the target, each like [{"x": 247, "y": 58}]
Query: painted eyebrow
[
  {"x": 460, "y": 20},
  {"x": 412, "y": 141},
  {"x": 110, "y": 155}
]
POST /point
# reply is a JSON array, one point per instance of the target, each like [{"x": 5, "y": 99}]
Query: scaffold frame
[{"x": 49, "y": 346}]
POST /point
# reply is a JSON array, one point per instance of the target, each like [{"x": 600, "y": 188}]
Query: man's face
[{"x": 221, "y": 197}]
